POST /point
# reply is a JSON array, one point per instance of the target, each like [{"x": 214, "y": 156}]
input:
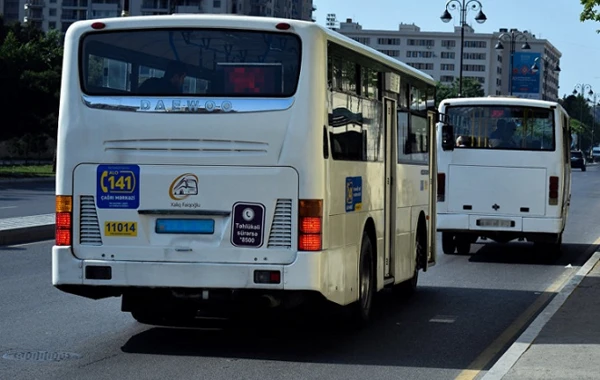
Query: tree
[
  {"x": 582, "y": 119},
  {"x": 30, "y": 71},
  {"x": 589, "y": 13},
  {"x": 471, "y": 88}
]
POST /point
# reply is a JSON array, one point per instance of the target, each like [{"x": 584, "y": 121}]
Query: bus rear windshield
[
  {"x": 502, "y": 127},
  {"x": 203, "y": 62}
]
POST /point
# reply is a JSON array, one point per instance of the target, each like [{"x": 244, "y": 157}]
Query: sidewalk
[
  {"x": 26, "y": 229},
  {"x": 568, "y": 343}
]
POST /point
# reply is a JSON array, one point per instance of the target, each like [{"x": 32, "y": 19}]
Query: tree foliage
[
  {"x": 30, "y": 70},
  {"x": 590, "y": 12},
  {"x": 583, "y": 122},
  {"x": 471, "y": 88}
]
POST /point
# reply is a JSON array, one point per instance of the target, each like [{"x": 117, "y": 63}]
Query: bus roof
[
  {"x": 492, "y": 100},
  {"x": 239, "y": 21}
]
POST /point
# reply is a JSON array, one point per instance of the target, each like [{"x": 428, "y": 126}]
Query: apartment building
[
  {"x": 59, "y": 14},
  {"x": 438, "y": 54}
]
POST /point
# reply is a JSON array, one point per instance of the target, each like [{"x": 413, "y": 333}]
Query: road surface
[{"x": 467, "y": 311}]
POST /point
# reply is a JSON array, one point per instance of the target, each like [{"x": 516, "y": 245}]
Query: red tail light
[
  {"x": 553, "y": 190},
  {"x": 310, "y": 228},
  {"x": 64, "y": 223},
  {"x": 441, "y": 187}
]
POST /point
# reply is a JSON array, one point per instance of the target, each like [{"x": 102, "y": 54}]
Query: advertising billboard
[{"x": 526, "y": 82}]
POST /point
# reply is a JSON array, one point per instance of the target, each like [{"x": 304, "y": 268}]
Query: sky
[{"x": 554, "y": 20}]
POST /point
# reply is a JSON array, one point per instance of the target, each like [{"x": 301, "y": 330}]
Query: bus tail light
[
  {"x": 310, "y": 226},
  {"x": 553, "y": 191},
  {"x": 64, "y": 220},
  {"x": 441, "y": 187}
]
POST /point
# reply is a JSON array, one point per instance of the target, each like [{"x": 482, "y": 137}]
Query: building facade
[
  {"x": 438, "y": 54},
  {"x": 59, "y": 14}
]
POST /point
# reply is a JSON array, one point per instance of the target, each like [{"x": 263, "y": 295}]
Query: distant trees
[
  {"x": 30, "y": 70},
  {"x": 582, "y": 119},
  {"x": 470, "y": 88}
]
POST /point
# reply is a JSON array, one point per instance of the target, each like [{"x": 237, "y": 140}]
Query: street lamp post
[
  {"x": 582, "y": 87},
  {"x": 535, "y": 68},
  {"x": 594, "y": 99},
  {"x": 463, "y": 7},
  {"x": 512, "y": 38}
]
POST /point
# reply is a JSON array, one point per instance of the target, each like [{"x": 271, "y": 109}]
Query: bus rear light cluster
[
  {"x": 64, "y": 220},
  {"x": 553, "y": 191},
  {"x": 310, "y": 225},
  {"x": 441, "y": 187}
]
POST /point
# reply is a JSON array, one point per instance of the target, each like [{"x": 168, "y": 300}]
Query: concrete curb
[
  {"x": 28, "y": 234},
  {"x": 24, "y": 180},
  {"x": 522, "y": 344}
]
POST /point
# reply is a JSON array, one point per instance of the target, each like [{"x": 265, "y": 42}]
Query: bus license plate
[
  {"x": 185, "y": 226},
  {"x": 494, "y": 223},
  {"x": 117, "y": 229}
]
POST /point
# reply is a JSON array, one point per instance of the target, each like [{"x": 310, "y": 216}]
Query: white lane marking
[
  {"x": 443, "y": 319},
  {"x": 5, "y": 207}
]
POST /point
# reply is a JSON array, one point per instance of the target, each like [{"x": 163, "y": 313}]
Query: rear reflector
[
  {"x": 267, "y": 277},
  {"x": 441, "y": 187},
  {"x": 64, "y": 222},
  {"x": 310, "y": 226}
]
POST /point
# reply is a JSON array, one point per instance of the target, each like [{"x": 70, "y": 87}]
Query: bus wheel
[
  {"x": 448, "y": 243},
  {"x": 463, "y": 245},
  {"x": 361, "y": 310},
  {"x": 550, "y": 251},
  {"x": 408, "y": 287}
]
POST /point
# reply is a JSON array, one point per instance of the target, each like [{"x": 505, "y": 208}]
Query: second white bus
[
  {"x": 209, "y": 158},
  {"x": 504, "y": 172}
]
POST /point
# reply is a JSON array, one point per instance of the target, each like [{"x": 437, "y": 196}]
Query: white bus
[
  {"x": 274, "y": 161},
  {"x": 504, "y": 172}
]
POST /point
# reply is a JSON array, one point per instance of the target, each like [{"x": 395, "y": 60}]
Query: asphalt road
[
  {"x": 26, "y": 198},
  {"x": 467, "y": 311}
]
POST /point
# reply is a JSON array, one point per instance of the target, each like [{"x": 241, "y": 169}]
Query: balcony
[
  {"x": 70, "y": 4},
  {"x": 34, "y": 4}
]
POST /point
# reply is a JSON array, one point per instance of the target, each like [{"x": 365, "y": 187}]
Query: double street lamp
[
  {"x": 463, "y": 7},
  {"x": 512, "y": 37},
  {"x": 535, "y": 68}
]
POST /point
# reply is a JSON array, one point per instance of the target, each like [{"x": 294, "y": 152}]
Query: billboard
[{"x": 525, "y": 82}]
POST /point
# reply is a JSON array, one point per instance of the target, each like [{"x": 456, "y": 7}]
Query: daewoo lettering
[{"x": 187, "y": 105}]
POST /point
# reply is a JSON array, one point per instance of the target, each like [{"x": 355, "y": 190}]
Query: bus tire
[
  {"x": 361, "y": 310},
  {"x": 549, "y": 251},
  {"x": 448, "y": 243},
  {"x": 409, "y": 287},
  {"x": 463, "y": 245}
]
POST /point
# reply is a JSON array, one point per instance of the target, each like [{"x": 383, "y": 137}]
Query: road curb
[
  {"x": 25, "y": 235},
  {"x": 526, "y": 339},
  {"x": 25, "y": 180}
]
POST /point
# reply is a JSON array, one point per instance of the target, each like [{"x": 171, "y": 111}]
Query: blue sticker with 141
[
  {"x": 353, "y": 194},
  {"x": 117, "y": 186}
]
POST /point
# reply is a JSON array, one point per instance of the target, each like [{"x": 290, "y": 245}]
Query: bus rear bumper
[
  {"x": 110, "y": 277},
  {"x": 466, "y": 222}
]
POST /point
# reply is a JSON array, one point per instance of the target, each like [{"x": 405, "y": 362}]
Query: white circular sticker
[{"x": 248, "y": 214}]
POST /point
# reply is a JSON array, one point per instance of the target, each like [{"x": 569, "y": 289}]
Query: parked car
[
  {"x": 578, "y": 160},
  {"x": 595, "y": 154}
]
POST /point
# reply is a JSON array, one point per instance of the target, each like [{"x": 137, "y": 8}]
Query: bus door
[
  {"x": 431, "y": 231},
  {"x": 390, "y": 121}
]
